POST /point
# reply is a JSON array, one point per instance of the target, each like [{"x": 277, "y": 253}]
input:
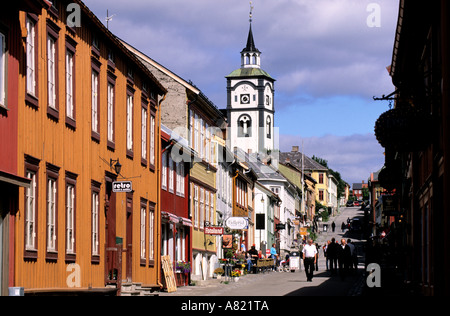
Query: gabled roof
[{"x": 295, "y": 159}]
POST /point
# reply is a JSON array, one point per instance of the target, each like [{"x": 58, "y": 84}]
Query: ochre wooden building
[{"x": 85, "y": 107}]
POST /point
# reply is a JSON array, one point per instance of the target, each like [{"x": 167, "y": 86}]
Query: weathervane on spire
[{"x": 251, "y": 11}]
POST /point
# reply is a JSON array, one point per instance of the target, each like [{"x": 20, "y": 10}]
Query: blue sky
[{"x": 327, "y": 61}]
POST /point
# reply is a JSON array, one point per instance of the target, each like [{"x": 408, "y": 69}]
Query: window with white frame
[
  {"x": 110, "y": 112},
  {"x": 144, "y": 134},
  {"x": 94, "y": 225},
  {"x": 171, "y": 178},
  {"x": 143, "y": 230},
  {"x": 70, "y": 84},
  {"x": 31, "y": 56},
  {"x": 70, "y": 219},
  {"x": 94, "y": 98},
  {"x": 196, "y": 207},
  {"x": 180, "y": 179},
  {"x": 164, "y": 171},
  {"x": 151, "y": 227},
  {"x": 51, "y": 71},
  {"x": 130, "y": 122},
  {"x": 211, "y": 209},
  {"x": 206, "y": 206},
  {"x": 207, "y": 155},
  {"x": 152, "y": 139},
  {"x": 3, "y": 75},
  {"x": 51, "y": 214},
  {"x": 202, "y": 139},
  {"x": 30, "y": 211},
  {"x": 202, "y": 208},
  {"x": 196, "y": 133},
  {"x": 191, "y": 127}
]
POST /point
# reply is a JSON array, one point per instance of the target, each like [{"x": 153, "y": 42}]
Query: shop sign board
[
  {"x": 237, "y": 223},
  {"x": 214, "y": 231},
  {"x": 122, "y": 186}
]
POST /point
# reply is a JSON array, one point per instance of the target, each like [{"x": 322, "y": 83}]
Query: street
[{"x": 289, "y": 283}]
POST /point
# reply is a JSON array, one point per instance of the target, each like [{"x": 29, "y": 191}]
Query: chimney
[{"x": 294, "y": 149}]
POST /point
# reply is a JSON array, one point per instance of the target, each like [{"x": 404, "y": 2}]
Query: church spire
[{"x": 250, "y": 55}]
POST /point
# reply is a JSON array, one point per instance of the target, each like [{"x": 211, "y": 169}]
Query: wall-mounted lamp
[{"x": 117, "y": 165}]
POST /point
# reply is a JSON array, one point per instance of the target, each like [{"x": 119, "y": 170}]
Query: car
[
  {"x": 355, "y": 225},
  {"x": 356, "y": 203},
  {"x": 349, "y": 204}
]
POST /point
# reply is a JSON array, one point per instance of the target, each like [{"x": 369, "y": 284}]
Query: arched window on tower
[
  {"x": 247, "y": 59},
  {"x": 244, "y": 126},
  {"x": 269, "y": 127}
]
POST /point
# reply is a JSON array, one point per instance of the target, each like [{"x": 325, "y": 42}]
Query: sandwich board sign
[{"x": 122, "y": 186}]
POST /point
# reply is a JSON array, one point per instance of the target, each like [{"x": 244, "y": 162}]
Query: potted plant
[
  {"x": 219, "y": 272},
  {"x": 235, "y": 274},
  {"x": 183, "y": 267}
]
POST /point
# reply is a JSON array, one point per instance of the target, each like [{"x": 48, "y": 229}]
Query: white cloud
[{"x": 354, "y": 157}]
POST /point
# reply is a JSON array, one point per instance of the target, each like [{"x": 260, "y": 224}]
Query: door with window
[
  {"x": 129, "y": 237},
  {"x": 112, "y": 260}
]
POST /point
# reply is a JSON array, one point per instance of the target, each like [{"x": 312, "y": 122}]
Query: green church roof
[{"x": 249, "y": 72}]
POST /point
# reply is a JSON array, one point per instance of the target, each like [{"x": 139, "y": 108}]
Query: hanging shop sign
[
  {"x": 214, "y": 231},
  {"x": 237, "y": 223},
  {"x": 122, "y": 186}
]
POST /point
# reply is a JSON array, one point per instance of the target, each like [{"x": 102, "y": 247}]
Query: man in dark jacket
[
  {"x": 332, "y": 255},
  {"x": 344, "y": 258}
]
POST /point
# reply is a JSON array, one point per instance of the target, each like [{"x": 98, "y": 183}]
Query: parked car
[
  {"x": 349, "y": 204},
  {"x": 356, "y": 203},
  {"x": 355, "y": 225}
]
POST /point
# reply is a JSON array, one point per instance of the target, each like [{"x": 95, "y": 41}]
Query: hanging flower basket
[
  {"x": 389, "y": 178},
  {"x": 404, "y": 128}
]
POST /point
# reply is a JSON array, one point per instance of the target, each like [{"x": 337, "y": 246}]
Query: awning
[
  {"x": 169, "y": 217},
  {"x": 14, "y": 180}
]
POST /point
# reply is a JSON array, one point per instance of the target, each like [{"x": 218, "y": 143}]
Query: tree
[{"x": 321, "y": 161}]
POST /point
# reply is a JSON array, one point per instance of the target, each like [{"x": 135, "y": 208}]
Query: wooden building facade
[{"x": 85, "y": 107}]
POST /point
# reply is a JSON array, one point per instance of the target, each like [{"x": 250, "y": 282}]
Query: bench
[{"x": 264, "y": 265}]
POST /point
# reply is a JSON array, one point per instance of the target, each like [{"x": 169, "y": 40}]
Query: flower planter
[{"x": 405, "y": 129}]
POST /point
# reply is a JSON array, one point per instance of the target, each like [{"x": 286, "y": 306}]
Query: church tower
[{"x": 250, "y": 102}]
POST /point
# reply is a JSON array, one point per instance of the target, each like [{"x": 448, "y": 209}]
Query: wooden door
[
  {"x": 112, "y": 264},
  {"x": 129, "y": 237}
]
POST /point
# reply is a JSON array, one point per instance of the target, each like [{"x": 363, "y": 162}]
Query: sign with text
[
  {"x": 122, "y": 186},
  {"x": 237, "y": 223},
  {"x": 214, "y": 230}
]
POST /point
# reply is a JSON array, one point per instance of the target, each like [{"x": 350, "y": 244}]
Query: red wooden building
[{"x": 176, "y": 226}]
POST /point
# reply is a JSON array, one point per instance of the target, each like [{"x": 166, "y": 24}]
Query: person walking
[
  {"x": 309, "y": 259},
  {"x": 332, "y": 255},
  {"x": 344, "y": 258},
  {"x": 333, "y": 226},
  {"x": 350, "y": 260},
  {"x": 327, "y": 260},
  {"x": 274, "y": 255}
]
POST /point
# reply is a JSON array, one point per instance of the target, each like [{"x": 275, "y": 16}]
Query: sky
[{"x": 328, "y": 57}]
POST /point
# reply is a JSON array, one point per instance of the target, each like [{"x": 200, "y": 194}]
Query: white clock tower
[{"x": 250, "y": 102}]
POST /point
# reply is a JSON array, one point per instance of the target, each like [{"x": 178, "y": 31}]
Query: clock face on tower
[{"x": 245, "y": 98}]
